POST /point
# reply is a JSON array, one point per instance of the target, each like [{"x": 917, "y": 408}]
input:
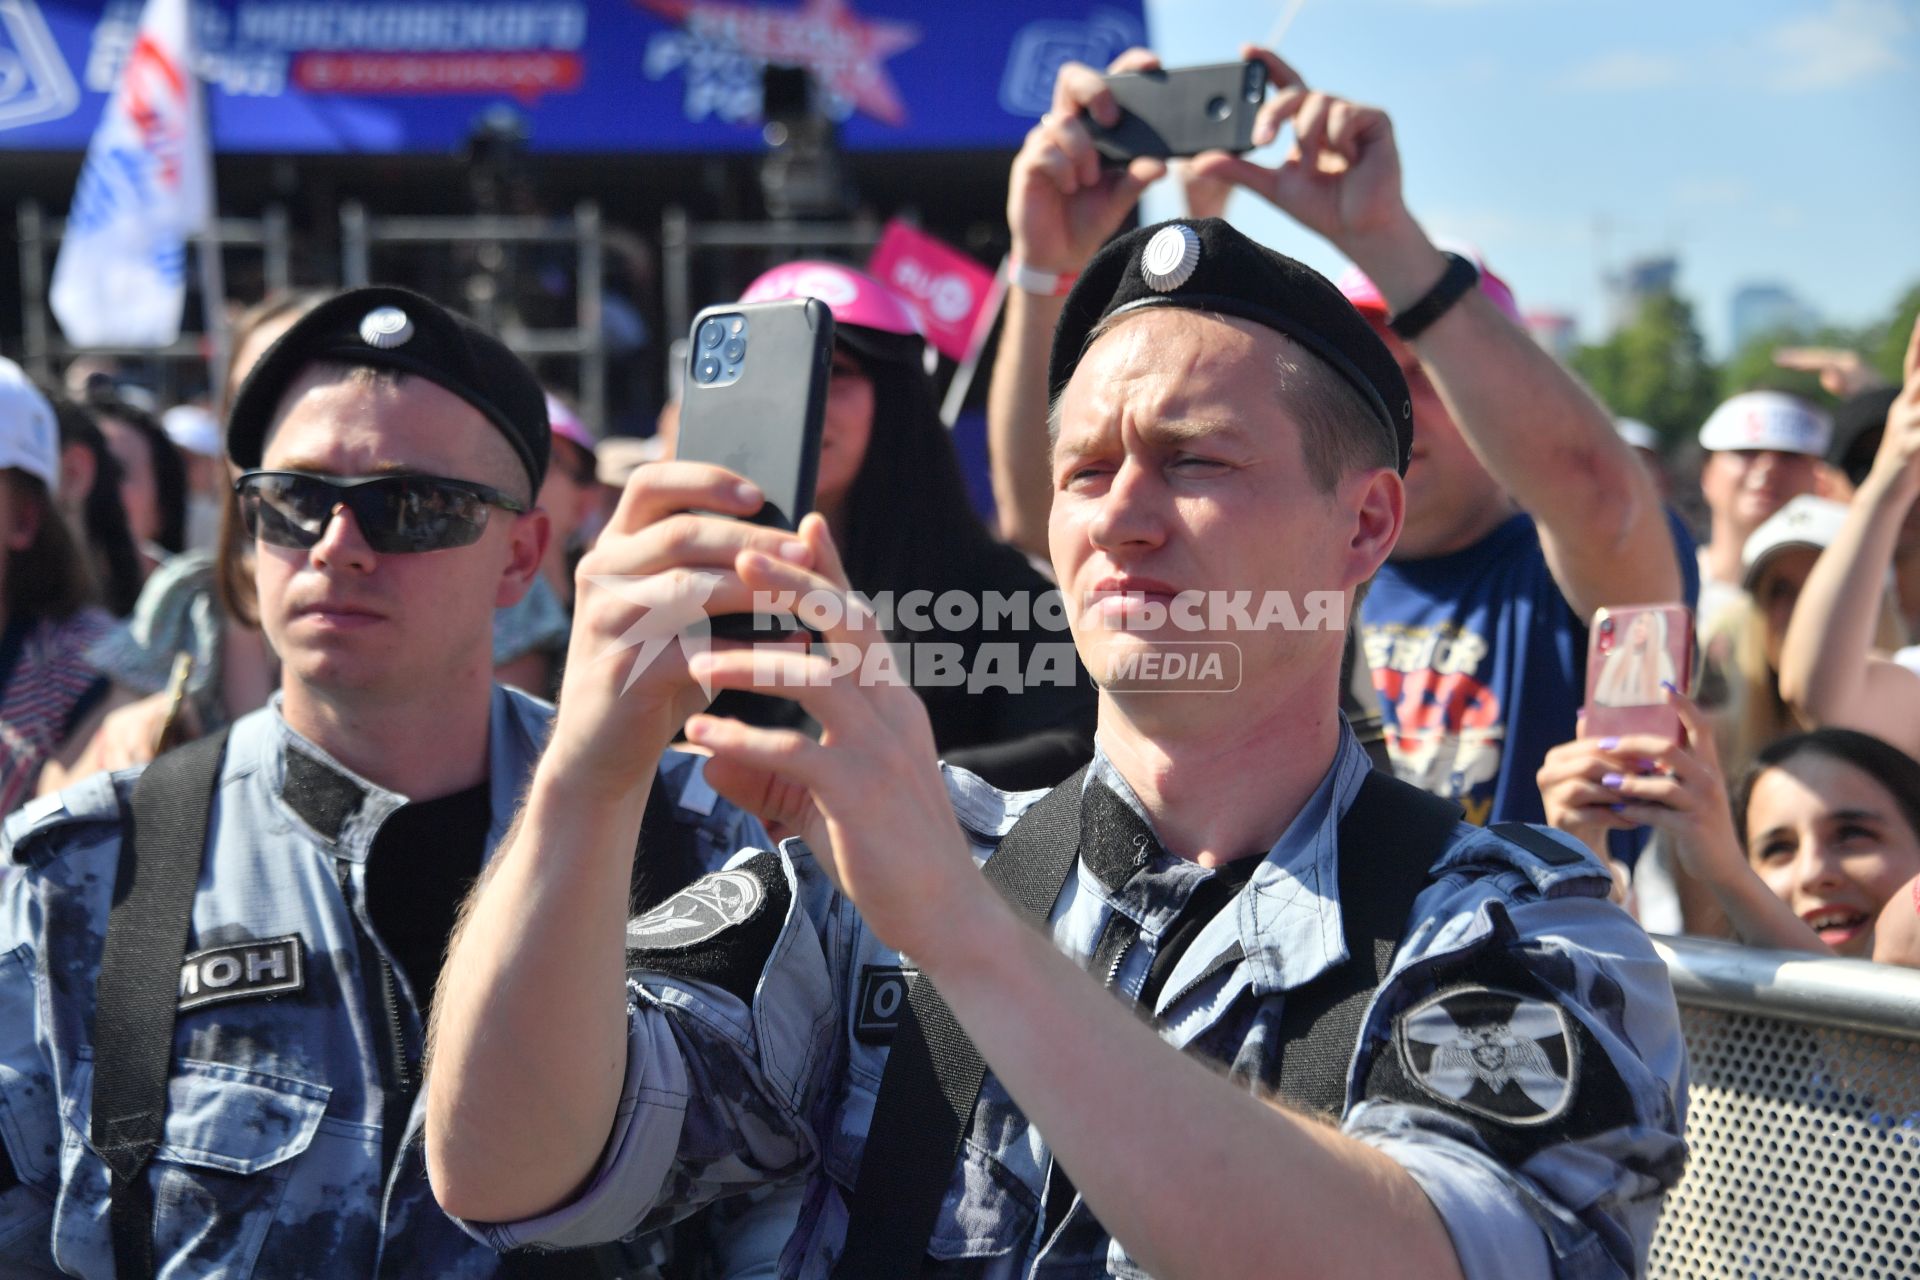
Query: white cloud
[
  {"x": 1838, "y": 46},
  {"x": 1850, "y": 41},
  {"x": 1627, "y": 71}
]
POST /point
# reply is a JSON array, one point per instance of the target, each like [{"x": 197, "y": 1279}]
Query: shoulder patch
[
  {"x": 698, "y": 912},
  {"x": 720, "y": 929},
  {"x": 1493, "y": 1045},
  {"x": 1495, "y": 1053}
]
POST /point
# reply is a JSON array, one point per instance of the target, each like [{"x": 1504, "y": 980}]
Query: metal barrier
[
  {"x": 489, "y": 235},
  {"x": 39, "y": 237},
  {"x": 682, "y": 239},
  {"x": 1803, "y": 1125}
]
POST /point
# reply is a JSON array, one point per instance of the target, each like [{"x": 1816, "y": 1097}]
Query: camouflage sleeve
[
  {"x": 1534, "y": 1085},
  {"x": 731, "y": 1017},
  {"x": 726, "y": 831},
  {"x": 745, "y": 1236},
  {"x": 29, "y": 1116}
]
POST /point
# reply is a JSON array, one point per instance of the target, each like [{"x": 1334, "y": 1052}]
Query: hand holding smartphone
[
  {"x": 1633, "y": 650},
  {"x": 755, "y": 401},
  {"x": 1182, "y": 112}
]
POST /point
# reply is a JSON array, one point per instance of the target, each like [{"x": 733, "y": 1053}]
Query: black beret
[
  {"x": 386, "y": 327},
  {"x": 1205, "y": 265}
]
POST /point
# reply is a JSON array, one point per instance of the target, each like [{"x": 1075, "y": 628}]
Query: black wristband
[{"x": 1460, "y": 276}]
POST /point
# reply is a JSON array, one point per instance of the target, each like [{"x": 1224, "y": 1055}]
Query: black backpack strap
[
  {"x": 161, "y": 852},
  {"x": 1389, "y": 840},
  {"x": 933, "y": 1074}
]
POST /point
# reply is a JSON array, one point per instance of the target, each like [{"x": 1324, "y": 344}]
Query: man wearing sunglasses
[{"x": 234, "y": 1089}]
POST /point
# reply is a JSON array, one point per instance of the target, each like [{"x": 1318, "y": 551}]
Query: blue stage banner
[{"x": 385, "y": 76}]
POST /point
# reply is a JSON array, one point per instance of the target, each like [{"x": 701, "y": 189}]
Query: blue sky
[{"x": 1756, "y": 140}]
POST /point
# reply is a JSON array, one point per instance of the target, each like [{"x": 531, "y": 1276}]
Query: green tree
[
  {"x": 1655, "y": 369},
  {"x": 1886, "y": 348},
  {"x": 1752, "y": 367}
]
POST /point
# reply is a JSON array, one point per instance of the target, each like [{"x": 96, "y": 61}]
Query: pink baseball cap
[
  {"x": 567, "y": 425},
  {"x": 1360, "y": 291},
  {"x": 867, "y": 315}
]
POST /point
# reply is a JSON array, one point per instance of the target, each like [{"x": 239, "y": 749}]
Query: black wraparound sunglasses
[{"x": 397, "y": 514}]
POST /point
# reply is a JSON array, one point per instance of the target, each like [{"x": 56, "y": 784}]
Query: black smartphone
[
  {"x": 1182, "y": 112},
  {"x": 755, "y": 399}
]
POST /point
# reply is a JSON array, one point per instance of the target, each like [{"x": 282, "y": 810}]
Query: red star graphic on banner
[{"x": 843, "y": 50}]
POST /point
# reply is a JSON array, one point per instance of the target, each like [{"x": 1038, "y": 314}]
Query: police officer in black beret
[
  {"x": 218, "y": 972},
  {"x": 1474, "y": 1058}
]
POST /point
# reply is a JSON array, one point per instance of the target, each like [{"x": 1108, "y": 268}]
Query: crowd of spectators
[{"x": 151, "y": 596}]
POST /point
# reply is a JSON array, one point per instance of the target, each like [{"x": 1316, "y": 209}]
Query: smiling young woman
[
  {"x": 1817, "y": 850},
  {"x": 1830, "y": 821}
]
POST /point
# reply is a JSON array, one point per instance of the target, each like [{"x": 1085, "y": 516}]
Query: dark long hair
[
  {"x": 169, "y": 468},
  {"x": 1886, "y": 764},
  {"x": 107, "y": 541},
  {"x": 909, "y": 523},
  {"x": 47, "y": 578}
]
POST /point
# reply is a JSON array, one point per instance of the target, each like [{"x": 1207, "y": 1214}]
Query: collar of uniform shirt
[
  {"x": 1291, "y": 927},
  {"x": 356, "y": 818}
]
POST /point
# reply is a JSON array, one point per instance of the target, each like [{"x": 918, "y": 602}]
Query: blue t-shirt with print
[{"x": 1481, "y": 667}]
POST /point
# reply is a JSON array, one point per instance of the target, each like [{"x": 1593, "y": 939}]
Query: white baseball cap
[
  {"x": 1806, "y": 522},
  {"x": 1767, "y": 420},
  {"x": 29, "y": 433},
  {"x": 1638, "y": 434},
  {"x": 193, "y": 429}
]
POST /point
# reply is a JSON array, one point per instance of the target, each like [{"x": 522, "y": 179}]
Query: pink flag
[{"x": 948, "y": 288}]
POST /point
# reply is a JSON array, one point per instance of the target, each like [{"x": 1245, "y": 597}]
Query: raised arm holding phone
[
  {"x": 1062, "y": 205},
  {"x": 1522, "y": 501},
  {"x": 1539, "y": 440}
]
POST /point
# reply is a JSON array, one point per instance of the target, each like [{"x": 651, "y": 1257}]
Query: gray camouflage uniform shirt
[
  {"x": 272, "y": 1157},
  {"x": 1523, "y": 1061}
]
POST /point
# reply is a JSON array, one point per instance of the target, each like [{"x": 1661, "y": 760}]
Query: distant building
[
  {"x": 1769, "y": 308},
  {"x": 1641, "y": 280},
  {"x": 1651, "y": 277},
  {"x": 1554, "y": 330}
]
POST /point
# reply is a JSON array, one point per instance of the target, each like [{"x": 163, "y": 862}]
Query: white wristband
[{"x": 1048, "y": 284}]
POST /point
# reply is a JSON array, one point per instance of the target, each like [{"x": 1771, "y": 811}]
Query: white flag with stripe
[{"x": 121, "y": 277}]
